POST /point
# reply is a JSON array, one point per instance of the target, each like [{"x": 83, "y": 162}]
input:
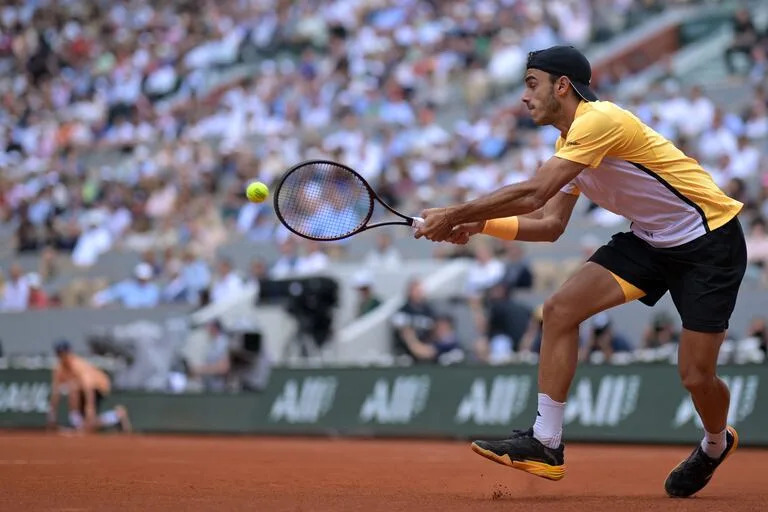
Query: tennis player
[
  {"x": 87, "y": 386},
  {"x": 685, "y": 237}
]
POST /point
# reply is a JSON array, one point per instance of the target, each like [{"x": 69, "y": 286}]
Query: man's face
[
  {"x": 64, "y": 358},
  {"x": 416, "y": 292},
  {"x": 539, "y": 97}
]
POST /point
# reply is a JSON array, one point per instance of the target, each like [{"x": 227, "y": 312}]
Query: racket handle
[{"x": 416, "y": 223}]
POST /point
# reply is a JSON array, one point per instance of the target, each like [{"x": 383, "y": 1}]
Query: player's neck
[{"x": 566, "y": 119}]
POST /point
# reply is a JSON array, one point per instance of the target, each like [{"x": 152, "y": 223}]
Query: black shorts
[
  {"x": 97, "y": 399},
  {"x": 703, "y": 276}
]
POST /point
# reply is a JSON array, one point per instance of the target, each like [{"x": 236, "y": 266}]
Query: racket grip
[{"x": 416, "y": 223}]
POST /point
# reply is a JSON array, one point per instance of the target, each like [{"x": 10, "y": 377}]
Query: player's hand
[
  {"x": 437, "y": 226},
  {"x": 462, "y": 233}
]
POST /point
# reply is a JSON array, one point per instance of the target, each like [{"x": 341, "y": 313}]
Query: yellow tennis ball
[{"x": 257, "y": 192}]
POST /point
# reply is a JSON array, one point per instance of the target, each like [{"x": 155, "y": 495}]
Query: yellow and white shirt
[{"x": 635, "y": 172}]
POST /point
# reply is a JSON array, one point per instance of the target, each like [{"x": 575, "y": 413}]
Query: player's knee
[
  {"x": 696, "y": 379},
  {"x": 557, "y": 311}
]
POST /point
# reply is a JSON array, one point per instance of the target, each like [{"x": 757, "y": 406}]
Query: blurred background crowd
[{"x": 134, "y": 126}]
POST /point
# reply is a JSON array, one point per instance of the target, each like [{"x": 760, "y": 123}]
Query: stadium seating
[{"x": 144, "y": 134}]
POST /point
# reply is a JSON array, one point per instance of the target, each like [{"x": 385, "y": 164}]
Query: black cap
[
  {"x": 61, "y": 347},
  {"x": 565, "y": 61}
]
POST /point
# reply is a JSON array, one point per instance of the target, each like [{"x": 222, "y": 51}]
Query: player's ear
[{"x": 562, "y": 85}]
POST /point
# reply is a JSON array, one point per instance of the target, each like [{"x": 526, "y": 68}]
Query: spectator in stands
[
  {"x": 757, "y": 247},
  {"x": 367, "y": 300},
  {"x": 61, "y": 234},
  {"x": 175, "y": 289},
  {"x": 94, "y": 241},
  {"x": 660, "y": 332},
  {"x": 195, "y": 275},
  {"x": 15, "y": 291},
  {"x": 484, "y": 271},
  {"x": 517, "y": 270},
  {"x": 99, "y": 94},
  {"x": 440, "y": 345},
  {"x": 530, "y": 343},
  {"x": 227, "y": 283},
  {"x": 760, "y": 60},
  {"x": 216, "y": 365},
  {"x": 384, "y": 254},
  {"x": 257, "y": 274},
  {"x": 314, "y": 260},
  {"x": 756, "y": 123},
  {"x": 752, "y": 347},
  {"x": 718, "y": 140},
  {"x": 416, "y": 315},
  {"x": 151, "y": 258},
  {"x": 602, "y": 341},
  {"x": 38, "y": 298},
  {"x": 287, "y": 264},
  {"x": 745, "y": 161},
  {"x": 503, "y": 323},
  {"x": 48, "y": 267},
  {"x": 139, "y": 292},
  {"x": 745, "y": 38},
  {"x": 26, "y": 233}
]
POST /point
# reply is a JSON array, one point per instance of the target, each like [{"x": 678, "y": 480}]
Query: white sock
[
  {"x": 75, "y": 419},
  {"x": 109, "y": 418},
  {"x": 548, "y": 428},
  {"x": 713, "y": 444}
]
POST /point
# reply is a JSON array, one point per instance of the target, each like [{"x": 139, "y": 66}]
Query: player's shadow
[{"x": 586, "y": 499}]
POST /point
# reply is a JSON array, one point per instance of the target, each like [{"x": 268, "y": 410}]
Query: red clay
[{"x": 50, "y": 472}]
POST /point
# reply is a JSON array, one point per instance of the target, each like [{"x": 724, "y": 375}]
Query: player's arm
[
  {"x": 591, "y": 137},
  {"x": 512, "y": 200},
  {"x": 554, "y": 219},
  {"x": 417, "y": 347},
  {"x": 90, "y": 407},
  {"x": 53, "y": 407},
  {"x": 219, "y": 367},
  {"x": 544, "y": 225}
]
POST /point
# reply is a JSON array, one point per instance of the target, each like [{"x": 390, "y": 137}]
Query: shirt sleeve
[{"x": 591, "y": 137}]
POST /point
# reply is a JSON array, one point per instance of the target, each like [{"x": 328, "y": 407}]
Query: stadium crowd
[{"x": 135, "y": 125}]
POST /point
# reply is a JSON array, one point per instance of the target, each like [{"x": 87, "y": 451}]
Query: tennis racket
[{"x": 324, "y": 200}]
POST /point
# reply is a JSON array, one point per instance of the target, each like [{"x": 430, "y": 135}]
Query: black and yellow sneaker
[
  {"x": 692, "y": 474},
  {"x": 524, "y": 452}
]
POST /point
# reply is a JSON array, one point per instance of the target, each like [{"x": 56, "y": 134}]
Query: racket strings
[{"x": 324, "y": 201}]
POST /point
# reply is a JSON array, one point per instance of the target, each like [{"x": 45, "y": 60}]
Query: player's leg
[
  {"x": 591, "y": 290},
  {"x": 116, "y": 417},
  {"x": 600, "y": 284},
  {"x": 539, "y": 450},
  {"x": 76, "y": 404},
  {"x": 697, "y": 365},
  {"x": 705, "y": 292}
]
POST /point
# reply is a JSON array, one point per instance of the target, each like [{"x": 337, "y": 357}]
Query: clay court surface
[{"x": 51, "y": 472}]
